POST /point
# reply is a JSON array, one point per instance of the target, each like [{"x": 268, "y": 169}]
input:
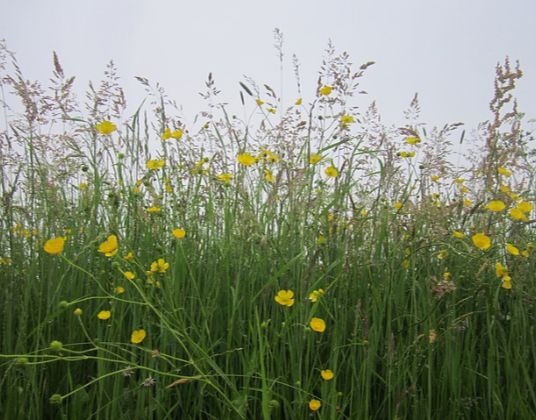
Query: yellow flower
[
  {"x": 496, "y": 205},
  {"x": 168, "y": 134},
  {"x": 54, "y": 246},
  {"x": 327, "y": 375},
  {"x": 246, "y": 159},
  {"x": 104, "y": 315},
  {"x": 137, "y": 336},
  {"x": 78, "y": 312},
  {"x": 105, "y": 127},
  {"x": 347, "y": 120},
  {"x": 318, "y": 325},
  {"x": 268, "y": 176},
  {"x": 500, "y": 270},
  {"x": 285, "y": 298},
  {"x": 314, "y": 405},
  {"x": 83, "y": 186},
  {"x": 179, "y": 233},
  {"x": 129, "y": 256},
  {"x": 398, "y": 205},
  {"x": 435, "y": 178},
  {"x": 467, "y": 202},
  {"x": 316, "y": 294},
  {"x": 314, "y": 158},
  {"x": 272, "y": 110},
  {"x": 225, "y": 178},
  {"x": 259, "y": 102},
  {"x": 119, "y": 290},
  {"x": 109, "y": 246},
  {"x": 129, "y": 275},
  {"x": 406, "y": 154},
  {"x": 332, "y": 172},
  {"x": 512, "y": 250},
  {"x": 506, "y": 282},
  {"x": 459, "y": 181},
  {"x": 517, "y": 214},
  {"x": 325, "y": 90},
  {"x": 412, "y": 140},
  {"x": 155, "y": 164},
  {"x": 154, "y": 209},
  {"x": 298, "y": 101},
  {"x": 503, "y": 171},
  {"x": 458, "y": 234},
  {"x": 268, "y": 156},
  {"x": 481, "y": 241},
  {"x": 441, "y": 255},
  {"x": 159, "y": 266},
  {"x": 525, "y": 206}
]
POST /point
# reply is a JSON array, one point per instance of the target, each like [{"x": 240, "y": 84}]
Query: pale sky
[{"x": 444, "y": 50}]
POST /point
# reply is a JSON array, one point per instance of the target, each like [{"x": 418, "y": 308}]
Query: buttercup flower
[
  {"x": 129, "y": 275},
  {"x": 412, "y": 140},
  {"x": 104, "y": 315},
  {"x": 109, "y": 246},
  {"x": 316, "y": 294},
  {"x": 137, "y": 336},
  {"x": 512, "y": 250},
  {"x": 159, "y": 266},
  {"x": 246, "y": 159},
  {"x": 285, "y": 298},
  {"x": 314, "y": 405},
  {"x": 517, "y": 214},
  {"x": 168, "y": 134},
  {"x": 314, "y": 158},
  {"x": 225, "y": 178},
  {"x": 504, "y": 172},
  {"x": 325, "y": 90},
  {"x": 54, "y": 246},
  {"x": 346, "y": 120},
  {"x": 155, "y": 164},
  {"x": 332, "y": 172},
  {"x": 178, "y": 233},
  {"x": 327, "y": 375},
  {"x": 318, "y": 325},
  {"x": 481, "y": 241},
  {"x": 500, "y": 270},
  {"x": 496, "y": 205},
  {"x": 105, "y": 127},
  {"x": 525, "y": 206},
  {"x": 268, "y": 177}
]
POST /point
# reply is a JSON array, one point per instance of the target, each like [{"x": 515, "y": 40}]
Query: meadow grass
[{"x": 240, "y": 237}]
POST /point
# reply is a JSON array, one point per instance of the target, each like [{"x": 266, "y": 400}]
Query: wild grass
[{"x": 371, "y": 227}]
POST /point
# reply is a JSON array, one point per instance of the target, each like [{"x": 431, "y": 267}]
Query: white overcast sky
[{"x": 444, "y": 50}]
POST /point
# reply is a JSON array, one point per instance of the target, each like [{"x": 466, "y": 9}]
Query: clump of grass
[{"x": 308, "y": 259}]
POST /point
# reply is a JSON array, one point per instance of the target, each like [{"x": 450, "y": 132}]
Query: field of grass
[{"x": 302, "y": 261}]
